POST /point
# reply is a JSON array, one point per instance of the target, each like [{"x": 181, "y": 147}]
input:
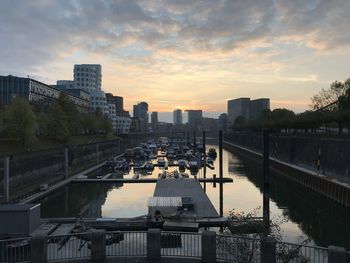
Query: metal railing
[
  {"x": 295, "y": 253},
  {"x": 71, "y": 246},
  {"x": 100, "y": 244},
  {"x": 123, "y": 244},
  {"x": 238, "y": 248},
  {"x": 180, "y": 244},
  {"x": 15, "y": 250}
]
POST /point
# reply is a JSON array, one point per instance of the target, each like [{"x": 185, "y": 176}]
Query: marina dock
[{"x": 190, "y": 188}]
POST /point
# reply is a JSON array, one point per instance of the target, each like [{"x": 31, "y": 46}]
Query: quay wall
[
  {"x": 332, "y": 153},
  {"x": 27, "y": 171},
  {"x": 332, "y": 189}
]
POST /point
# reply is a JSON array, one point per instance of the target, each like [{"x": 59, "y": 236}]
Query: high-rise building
[
  {"x": 154, "y": 118},
  {"x": 195, "y": 119},
  {"x": 141, "y": 111},
  {"x": 177, "y": 117},
  {"x": 140, "y": 114},
  {"x": 88, "y": 77},
  {"x": 257, "y": 106},
  {"x": 238, "y": 107}
]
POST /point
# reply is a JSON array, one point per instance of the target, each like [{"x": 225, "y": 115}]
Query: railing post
[
  {"x": 38, "y": 249},
  {"x": 336, "y": 254},
  {"x": 153, "y": 244},
  {"x": 208, "y": 246},
  {"x": 98, "y": 245},
  {"x": 268, "y": 250}
]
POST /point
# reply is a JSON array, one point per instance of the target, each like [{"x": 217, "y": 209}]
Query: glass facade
[
  {"x": 12, "y": 87},
  {"x": 35, "y": 92}
]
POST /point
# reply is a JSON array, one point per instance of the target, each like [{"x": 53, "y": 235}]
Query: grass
[{"x": 10, "y": 146}]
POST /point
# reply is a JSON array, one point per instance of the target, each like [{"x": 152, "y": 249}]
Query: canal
[{"x": 300, "y": 213}]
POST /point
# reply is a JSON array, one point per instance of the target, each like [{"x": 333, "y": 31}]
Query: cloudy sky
[{"x": 183, "y": 53}]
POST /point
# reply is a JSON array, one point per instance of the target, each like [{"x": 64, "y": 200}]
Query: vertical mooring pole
[
  {"x": 266, "y": 174},
  {"x": 194, "y": 142},
  {"x": 7, "y": 179},
  {"x": 205, "y": 162},
  {"x": 221, "y": 176}
]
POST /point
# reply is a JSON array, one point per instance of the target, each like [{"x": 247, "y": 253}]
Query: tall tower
[
  {"x": 88, "y": 77},
  {"x": 177, "y": 117}
]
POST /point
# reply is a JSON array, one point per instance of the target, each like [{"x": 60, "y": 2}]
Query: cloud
[{"x": 156, "y": 47}]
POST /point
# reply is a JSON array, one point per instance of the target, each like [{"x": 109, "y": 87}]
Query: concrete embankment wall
[
  {"x": 332, "y": 189},
  {"x": 28, "y": 171},
  {"x": 303, "y": 151}
]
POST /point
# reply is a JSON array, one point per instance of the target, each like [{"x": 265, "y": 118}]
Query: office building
[
  {"x": 154, "y": 118},
  {"x": 98, "y": 100},
  {"x": 65, "y": 84},
  {"x": 177, "y": 117},
  {"x": 36, "y": 92},
  {"x": 123, "y": 124},
  {"x": 117, "y": 101},
  {"x": 238, "y": 107},
  {"x": 88, "y": 77},
  {"x": 195, "y": 119},
  {"x": 112, "y": 116},
  {"x": 257, "y": 106},
  {"x": 141, "y": 111}
]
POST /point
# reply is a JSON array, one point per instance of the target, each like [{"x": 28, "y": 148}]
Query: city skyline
[{"x": 176, "y": 55}]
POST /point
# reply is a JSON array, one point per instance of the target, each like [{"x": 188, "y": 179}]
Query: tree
[
  {"x": 56, "y": 123},
  {"x": 326, "y": 97},
  {"x": 20, "y": 121},
  {"x": 71, "y": 112}
]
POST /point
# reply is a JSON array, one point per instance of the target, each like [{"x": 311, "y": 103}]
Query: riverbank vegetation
[
  {"x": 330, "y": 113},
  {"x": 24, "y": 127}
]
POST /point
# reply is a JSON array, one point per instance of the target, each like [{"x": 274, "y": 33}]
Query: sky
[{"x": 183, "y": 54}]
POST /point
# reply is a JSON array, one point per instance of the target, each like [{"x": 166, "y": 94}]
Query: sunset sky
[{"x": 183, "y": 53}]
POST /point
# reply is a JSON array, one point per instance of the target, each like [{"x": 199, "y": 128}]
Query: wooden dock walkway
[{"x": 203, "y": 208}]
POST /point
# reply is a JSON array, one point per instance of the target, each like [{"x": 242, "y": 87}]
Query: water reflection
[{"x": 309, "y": 214}]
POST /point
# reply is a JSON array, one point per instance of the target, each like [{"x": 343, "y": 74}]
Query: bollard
[
  {"x": 268, "y": 250},
  {"x": 208, "y": 246},
  {"x": 38, "y": 249},
  {"x": 336, "y": 254},
  {"x": 98, "y": 245},
  {"x": 153, "y": 244},
  {"x": 214, "y": 180}
]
